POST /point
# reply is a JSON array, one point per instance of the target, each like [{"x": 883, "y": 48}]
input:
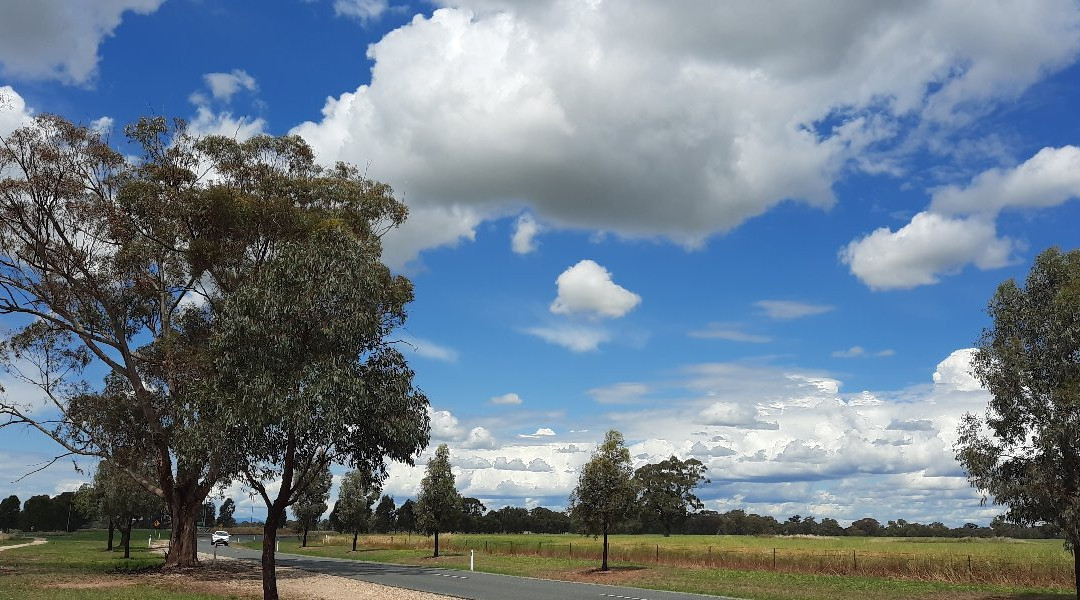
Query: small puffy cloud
[
  {"x": 364, "y": 11},
  {"x": 700, "y": 449},
  {"x": 224, "y": 85},
  {"x": 472, "y": 462},
  {"x": 444, "y": 425},
  {"x": 56, "y": 39},
  {"x": 576, "y": 338},
  {"x": 955, "y": 372},
  {"x": 886, "y": 352},
  {"x": 728, "y": 414},
  {"x": 523, "y": 241},
  {"x": 852, "y": 352},
  {"x": 718, "y": 331},
  {"x": 542, "y": 432},
  {"x": 927, "y": 247},
  {"x": 911, "y": 425},
  {"x": 479, "y": 438},
  {"x": 1049, "y": 178},
  {"x": 619, "y": 393},
  {"x": 791, "y": 309},
  {"x": 428, "y": 349},
  {"x": 510, "y": 398},
  {"x": 587, "y": 288}
]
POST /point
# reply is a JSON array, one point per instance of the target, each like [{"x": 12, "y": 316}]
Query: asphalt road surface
[{"x": 472, "y": 585}]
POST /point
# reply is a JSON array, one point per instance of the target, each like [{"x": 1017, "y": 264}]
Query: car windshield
[{"x": 221, "y": 533}]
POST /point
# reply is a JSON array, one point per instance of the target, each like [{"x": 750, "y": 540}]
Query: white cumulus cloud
[
  {"x": 640, "y": 120},
  {"x": 364, "y": 11},
  {"x": 224, "y": 85},
  {"x": 1049, "y": 178},
  {"x": 510, "y": 398},
  {"x": 57, "y": 39},
  {"x": 926, "y": 248},
  {"x": 955, "y": 372},
  {"x": 523, "y": 241},
  {"x": 587, "y": 288}
]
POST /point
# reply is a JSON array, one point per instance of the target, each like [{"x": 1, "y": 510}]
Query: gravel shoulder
[{"x": 244, "y": 578}]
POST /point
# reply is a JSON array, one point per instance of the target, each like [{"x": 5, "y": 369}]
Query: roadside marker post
[
  {"x": 472, "y": 556},
  {"x": 149, "y": 542}
]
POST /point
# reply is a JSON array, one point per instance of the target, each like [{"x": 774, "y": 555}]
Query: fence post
[
  {"x": 971, "y": 576},
  {"x": 854, "y": 562},
  {"x": 511, "y": 546},
  {"x": 774, "y": 559},
  {"x": 710, "y": 555},
  {"x": 658, "y": 553},
  {"x": 538, "y": 547},
  {"x": 571, "y": 549},
  {"x": 485, "y": 546}
]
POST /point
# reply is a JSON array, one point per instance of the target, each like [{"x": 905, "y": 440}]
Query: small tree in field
[
  {"x": 311, "y": 504},
  {"x": 438, "y": 505},
  {"x": 116, "y": 497},
  {"x": 1025, "y": 451},
  {"x": 384, "y": 515},
  {"x": 605, "y": 493},
  {"x": 358, "y": 492}
]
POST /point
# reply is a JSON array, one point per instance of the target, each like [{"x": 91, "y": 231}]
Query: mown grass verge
[{"x": 77, "y": 566}]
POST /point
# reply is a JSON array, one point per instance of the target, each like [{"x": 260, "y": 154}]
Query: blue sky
[{"x": 760, "y": 235}]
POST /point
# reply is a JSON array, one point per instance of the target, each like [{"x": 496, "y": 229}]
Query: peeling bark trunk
[
  {"x": 304, "y": 544},
  {"x": 354, "y": 536},
  {"x": 182, "y": 538},
  {"x": 125, "y": 537},
  {"x": 112, "y": 527},
  {"x": 436, "y": 543}
]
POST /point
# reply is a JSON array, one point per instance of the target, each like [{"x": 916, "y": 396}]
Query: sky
[{"x": 762, "y": 235}]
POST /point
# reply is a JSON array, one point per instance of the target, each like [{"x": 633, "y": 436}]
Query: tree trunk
[
  {"x": 269, "y": 567},
  {"x": 304, "y": 544},
  {"x": 354, "y": 536},
  {"x": 436, "y": 544},
  {"x": 1076, "y": 569},
  {"x": 182, "y": 537},
  {"x": 112, "y": 527},
  {"x": 603, "y": 566},
  {"x": 125, "y": 537}
]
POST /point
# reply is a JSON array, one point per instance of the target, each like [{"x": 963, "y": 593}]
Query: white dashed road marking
[
  {"x": 622, "y": 597},
  {"x": 448, "y": 575}
]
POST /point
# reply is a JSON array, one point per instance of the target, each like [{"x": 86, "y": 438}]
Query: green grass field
[
  {"x": 76, "y": 566},
  {"x": 801, "y": 571}
]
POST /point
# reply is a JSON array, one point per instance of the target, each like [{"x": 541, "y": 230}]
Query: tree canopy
[
  {"x": 357, "y": 494},
  {"x": 1025, "y": 450},
  {"x": 666, "y": 489}
]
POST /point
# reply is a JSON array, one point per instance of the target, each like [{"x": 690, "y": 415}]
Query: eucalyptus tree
[
  {"x": 438, "y": 505},
  {"x": 9, "y": 513},
  {"x": 605, "y": 493},
  {"x": 385, "y": 514},
  {"x": 666, "y": 489},
  {"x": 148, "y": 268},
  {"x": 1025, "y": 450},
  {"x": 357, "y": 494},
  {"x": 116, "y": 497},
  {"x": 311, "y": 503},
  {"x": 225, "y": 513}
]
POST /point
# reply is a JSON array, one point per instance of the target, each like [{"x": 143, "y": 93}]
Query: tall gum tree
[
  {"x": 131, "y": 267},
  {"x": 438, "y": 504},
  {"x": 1024, "y": 451}
]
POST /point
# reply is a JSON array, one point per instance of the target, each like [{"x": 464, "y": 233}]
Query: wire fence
[{"x": 943, "y": 567}]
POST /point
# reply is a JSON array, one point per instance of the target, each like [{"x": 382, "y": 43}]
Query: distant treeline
[
  {"x": 475, "y": 518},
  {"x": 41, "y": 513}
]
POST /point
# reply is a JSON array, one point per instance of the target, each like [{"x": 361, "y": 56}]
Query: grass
[
  {"x": 546, "y": 558},
  {"x": 76, "y": 566}
]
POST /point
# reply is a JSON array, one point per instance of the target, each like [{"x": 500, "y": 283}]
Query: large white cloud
[
  {"x": 13, "y": 110},
  {"x": 587, "y": 288},
  {"x": 57, "y": 39},
  {"x": 921, "y": 251},
  {"x": 635, "y": 118}
]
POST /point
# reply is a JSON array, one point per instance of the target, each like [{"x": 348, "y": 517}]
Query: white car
[{"x": 220, "y": 538}]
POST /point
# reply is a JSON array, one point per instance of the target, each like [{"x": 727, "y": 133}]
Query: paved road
[{"x": 451, "y": 582}]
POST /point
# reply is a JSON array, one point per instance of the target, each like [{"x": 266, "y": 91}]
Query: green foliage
[
  {"x": 666, "y": 489},
  {"x": 311, "y": 502},
  {"x": 438, "y": 505},
  {"x": 385, "y": 515},
  {"x": 225, "y": 513},
  {"x": 9, "y": 513},
  {"x": 358, "y": 492},
  {"x": 1025, "y": 451},
  {"x": 405, "y": 517},
  {"x": 605, "y": 493}
]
